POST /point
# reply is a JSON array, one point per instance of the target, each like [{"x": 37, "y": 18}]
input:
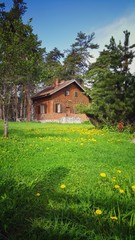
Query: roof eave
[{"x": 56, "y": 90}]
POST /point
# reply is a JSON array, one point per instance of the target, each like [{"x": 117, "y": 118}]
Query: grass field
[{"x": 66, "y": 182}]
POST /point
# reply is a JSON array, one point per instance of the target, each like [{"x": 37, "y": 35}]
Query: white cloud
[{"x": 115, "y": 29}]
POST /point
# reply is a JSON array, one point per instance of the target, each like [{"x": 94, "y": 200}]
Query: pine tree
[
  {"x": 20, "y": 57},
  {"x": 78, "y": 57},
  {"x": 52, "y": 67},
  {"x": 113, "y": 94}
]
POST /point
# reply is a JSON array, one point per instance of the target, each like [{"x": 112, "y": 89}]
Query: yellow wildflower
[
  {"x": 62, "y": 186},
  {"x": 114, "y": 218},
  {"x": 93, "y": 140},
  {"x": 118, "y": 171},
  {"x": 133, "y": 188},
  {"x": 98, "y": 212},
  {"x": 103, "y": 174},
  {"x": 116, "y": 186},
  {"x": 37, "y": 194},
  {"x": 113, "y": 179},
  {"x": 121, "y": 191}
]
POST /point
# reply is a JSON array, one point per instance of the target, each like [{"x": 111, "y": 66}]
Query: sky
[{"x": 57, "y": 22}]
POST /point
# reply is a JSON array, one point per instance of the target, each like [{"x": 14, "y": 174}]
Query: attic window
[
  {"x": 76, "y": 94},
  {"x": 67, "y": 93}
]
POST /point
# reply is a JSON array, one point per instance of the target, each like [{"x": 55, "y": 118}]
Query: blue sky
[{"x": 57, "y": 22}]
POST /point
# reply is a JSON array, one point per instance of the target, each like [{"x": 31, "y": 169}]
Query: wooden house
[{"x": 60, "y": 101}]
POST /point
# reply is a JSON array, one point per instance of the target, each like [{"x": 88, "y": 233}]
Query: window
[
  {"x": 58, "y": 108},
  {"x": 67, "y": 93},
  {"x": 76, "y": 94},
  {"x": 41, "y": 109}
]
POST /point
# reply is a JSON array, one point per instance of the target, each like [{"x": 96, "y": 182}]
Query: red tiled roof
[{"x": 53, "y": 89}]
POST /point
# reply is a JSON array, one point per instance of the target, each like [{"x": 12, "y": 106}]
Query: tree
[
  {"x": 20, "y": 57},
  {"x": 112, "y": 93},
  {"x": 29, "y": 64},
  {"x": 7, "y": 61},
  {"x": 77, "y": 60},
  {"x": 52, "y": 67}
]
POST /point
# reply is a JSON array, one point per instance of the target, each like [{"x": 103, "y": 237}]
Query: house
[{"x": 59, "y": 102}]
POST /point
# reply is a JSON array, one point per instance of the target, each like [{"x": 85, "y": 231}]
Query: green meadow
[{"x": 66, "y": 182}]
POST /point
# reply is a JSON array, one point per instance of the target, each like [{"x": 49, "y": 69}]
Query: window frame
[
  {"x": 42, "y": 109},
  {"x": 66, "y": 92},
  {"x": 76, "y": 94},
  {"x": 58, "y": 108}
]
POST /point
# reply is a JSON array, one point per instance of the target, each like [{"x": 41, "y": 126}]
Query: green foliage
[
  {"x": 81, "y": 108},
  {"x": 21, "y": 55},
  {"x": 113, "y": 86},
  {"x": 52, "y": 67},
  {"x": 50, "y": 189},
  {"x": 77, "y": 60}
]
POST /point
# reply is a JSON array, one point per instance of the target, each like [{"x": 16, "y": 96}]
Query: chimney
[
  {"x": 62, "y": 81},
  {"x": 56, "y": 83}
]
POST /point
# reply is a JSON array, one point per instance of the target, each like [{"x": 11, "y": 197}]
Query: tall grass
[{"x": 66, "y": 182}]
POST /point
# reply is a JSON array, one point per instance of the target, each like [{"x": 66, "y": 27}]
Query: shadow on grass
[
  {"x": 41, "y": 210},
  {"x": 31, "y": 133}
]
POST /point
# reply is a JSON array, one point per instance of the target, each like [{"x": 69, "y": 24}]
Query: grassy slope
[{"x": 37, "y": 158}]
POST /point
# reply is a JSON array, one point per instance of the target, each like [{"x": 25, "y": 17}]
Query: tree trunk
[
  {"x": 28, "y": 107},
  {"x": 24, "y": 108},
  {"x": 7, "y": 93},
  {"x": 16, "y": 104},
  {"x": 21, "y": 109},
  {"x": 28, "y": 110},
  {"x": 5, "y": 128},
  {"x": 1, "y": 112},
  {"x": 22, "y": 103},
  {"x": 5, "y": 114}
]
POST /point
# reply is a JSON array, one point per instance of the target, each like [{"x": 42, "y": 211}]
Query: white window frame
[
  {"x": 42, "y": 108},
  {"x": 58, "y": 108}
]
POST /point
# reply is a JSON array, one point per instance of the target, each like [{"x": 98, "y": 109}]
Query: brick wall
[{"x": 68, "y": 104}]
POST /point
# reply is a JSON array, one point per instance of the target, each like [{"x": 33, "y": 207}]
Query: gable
[{"x": 51, "y": 90}]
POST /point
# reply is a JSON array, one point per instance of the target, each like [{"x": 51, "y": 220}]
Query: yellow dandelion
[
  {"x": 118, "y": 171},
  {"x": 133, "y": 188},
  {"x": 121, "y": 191},
  {"x": 62, "y": 186},
  {"x": 114, "y": 218},
  {"x": 103, "y": 174},
  {"x": 113, "y": 179},
  {"x": 93, "y": 140},
  {"x": 37, "y": 194},
  {"x": 98, "y": 212},
  {"x": 116, "y": 186}
]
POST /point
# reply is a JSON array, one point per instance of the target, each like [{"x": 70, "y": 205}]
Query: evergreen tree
[
  {"x": 20, "y": 56},
  {"x": 52, "y": 67},
  {"x": 78, "y": 57},
  {"x": 113, "y": 86}
]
